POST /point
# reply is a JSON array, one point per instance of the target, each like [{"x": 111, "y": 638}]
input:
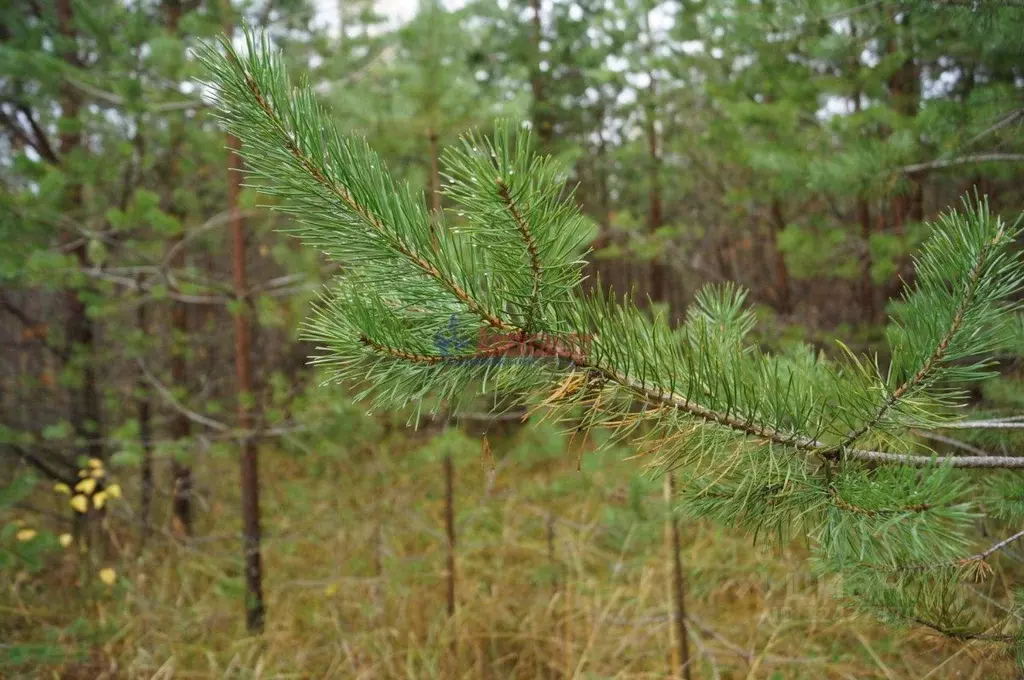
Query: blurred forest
[{"x": 182, "y": 497}]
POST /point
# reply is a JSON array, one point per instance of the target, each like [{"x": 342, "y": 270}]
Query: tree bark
[
  {"x": 782, "y": 292},
  {"x": 180, "y": 425},
  {"x": 867, "y": 287},
  {"x": 435, "y": 173},
  {"x": 248, "y": 461},
  {"x": 85, "y": 413},
  {"x": 449, "y": 530},
  {"x": 658, "y": 284},
  {"x": 143, "y": 407},
  {"x": 681, "y": 645},
  {"x": 905, "y": 96}
]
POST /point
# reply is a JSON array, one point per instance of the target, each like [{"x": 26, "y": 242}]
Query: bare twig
[
  {"x": 985, "y": 554},
  {"x": 935, "y": 436},
  {"x": 172, "y": 401},
  {"x": 963, "y": 160},
  {"x": 117, "y": 100},
  {"x": 1003, "y": 122}
]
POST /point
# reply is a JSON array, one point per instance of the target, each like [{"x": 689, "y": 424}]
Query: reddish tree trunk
[
  {"x": 867, "y": 286},
  {"x": 658, "y": 284},
  {"x": 249, "y": 464}
]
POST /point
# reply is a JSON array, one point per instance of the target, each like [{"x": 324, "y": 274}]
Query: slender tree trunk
[
  {"x": 654, "y": 206},
  {"x": 604, "y": 197},
  {"x": 180, "y": 425},
  {"x": 680, "y": 643},
  {"x": 435, "y": 173},
  {"x": 85, "y": 413},
  {"x": 255, "y": 611},
  {"x": 449, "y": 530},
  {"x": 658, "y": 284},
  {"x": 905, "y": 95},
  {"x": 143, "y": 406},
  {"x": 867, "y": 286},
  {"x": 249, "y": 464},
  {"x": 551, "y": 549},
  {"x": 782, "y": 292},
  {"x": 542, "y": 119}
]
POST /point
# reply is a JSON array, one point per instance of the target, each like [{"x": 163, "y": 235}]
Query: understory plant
[{"x": 434, "y": 308}]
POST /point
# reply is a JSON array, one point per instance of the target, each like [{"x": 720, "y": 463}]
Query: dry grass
[{"x": 354, "y": 555}]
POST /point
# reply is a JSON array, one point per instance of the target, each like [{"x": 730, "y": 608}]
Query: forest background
[{"x": 150, "y": 308}]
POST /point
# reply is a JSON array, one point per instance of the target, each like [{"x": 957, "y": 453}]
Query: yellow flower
[
  {"x": 65, "y": 540},
  {"x": 114, "y": 490},
  {"x": 61, "y": 487},
  {"x": 331, "y": 589},
  {"x": 26, "y": 535},
  {"x": 80, "y": 503},
  {"x": 86, "y": 485},
  {"x": 83, "y": 473},
  {"x": 99, "y": 499},
  {"x": 97, "y": 473},
  {"x": 108, "y": 575},
  {"x": 95, "y": 463}
]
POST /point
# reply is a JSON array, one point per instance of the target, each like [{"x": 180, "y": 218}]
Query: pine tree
[{"x": 784, "y": 445}]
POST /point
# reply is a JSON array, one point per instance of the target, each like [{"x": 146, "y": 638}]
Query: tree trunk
[
  {"x": 782, "y": 293},
  {"x": 658, "y": 285},
  {"x": 867, "y": 287},
  {"x": 180, "y": 425},
  {"x": 85, "y": 412},
  {"x": 905, "y": 96},
  {"x": 604, "y": 195},
  {"x": 143, "y": 407},
  {"x": 249, "y": 464},
  {"x": 680, "y": 643},
  {"x": 435, "y": 173},
  {"x": 541, "y": 117},
  {"x": 449, "y": 530}
]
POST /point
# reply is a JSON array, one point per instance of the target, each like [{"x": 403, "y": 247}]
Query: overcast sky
[{"x": 397, "y": 10}]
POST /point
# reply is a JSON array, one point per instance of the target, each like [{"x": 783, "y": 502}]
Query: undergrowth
[{"x": 561, "y": 573}]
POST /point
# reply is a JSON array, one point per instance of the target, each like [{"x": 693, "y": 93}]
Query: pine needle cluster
[{"x": 485, "y": 299}]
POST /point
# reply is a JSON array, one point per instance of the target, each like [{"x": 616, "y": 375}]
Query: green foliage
[{"x": 766, "y": 442}]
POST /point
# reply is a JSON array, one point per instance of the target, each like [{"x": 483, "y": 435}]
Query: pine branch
[
  {"x": 933, "y": 360},
  {"x": 531, "y": 247},
  {"x": 422, "y": 313},
  {"x": 372, "y": 220},
  {"x": 996, "y": 547}
]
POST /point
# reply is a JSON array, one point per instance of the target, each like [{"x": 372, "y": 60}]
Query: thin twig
[
  {"x": 963, "y": 160},
  {"x": 172, "y": 401},
  {"x": 935, "y": 436}
]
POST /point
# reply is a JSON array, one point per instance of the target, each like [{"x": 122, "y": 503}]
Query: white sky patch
[{"x": 397, "y": 12}]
